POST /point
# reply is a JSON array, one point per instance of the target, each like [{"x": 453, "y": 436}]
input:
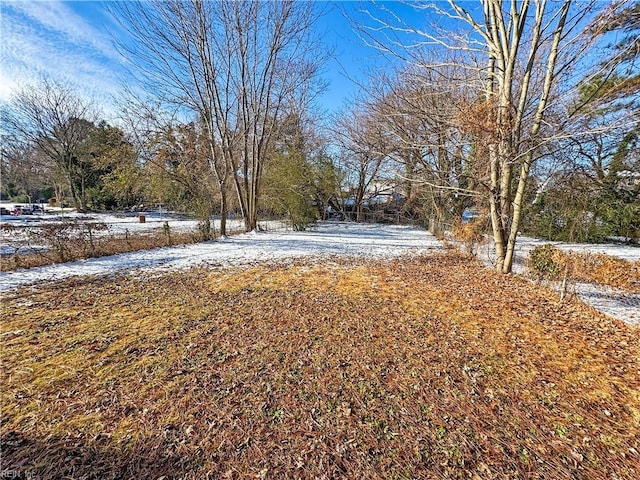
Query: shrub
[
  {"x": 67, "y": 240},
  {"x": 470, "y": 234},
  {"x": 546, "y": 262}
]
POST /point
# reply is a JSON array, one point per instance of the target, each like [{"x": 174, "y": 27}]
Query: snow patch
[
  {"x": 326, "y": 240},
  {"x": 614, "y": 302}
]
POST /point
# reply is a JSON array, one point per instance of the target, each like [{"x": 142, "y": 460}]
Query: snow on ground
[
  {"x": 614, "y": 302},
  {"x": 610, "y": 301},
  {"x": 118, "y": 225},
  {"x": 524, "y": 245},
  {"x": 326, "y": 240},
  {"x": 625, "y": 252}
]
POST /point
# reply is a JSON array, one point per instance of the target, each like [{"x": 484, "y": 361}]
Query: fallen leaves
[{"x": 417, "y": 368}]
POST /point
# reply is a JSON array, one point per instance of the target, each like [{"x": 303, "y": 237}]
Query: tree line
[
  {"x": 525, "y": 112},
  {"x": 522, "y": 112}
]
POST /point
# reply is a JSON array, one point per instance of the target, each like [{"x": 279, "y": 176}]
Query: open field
[
  {"x": 332, "y": 239},
  {"x": 342, "y": 239},
  {"x": 429, "y": 367}
]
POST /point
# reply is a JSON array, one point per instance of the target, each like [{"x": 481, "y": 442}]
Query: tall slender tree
[
  {"x": 520, "y": 54},
  {"x": 235, "y": 65}
]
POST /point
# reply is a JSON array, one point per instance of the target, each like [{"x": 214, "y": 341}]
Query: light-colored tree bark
[
  {"x": 519, "y": 38},
  {"x": 520, "y": 52}
]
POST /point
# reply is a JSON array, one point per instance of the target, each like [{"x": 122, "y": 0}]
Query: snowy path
[
  {"x": 327, "y": 239},
  {"x": 625, "y": 252},
  {"x": 614, "y": 302}
]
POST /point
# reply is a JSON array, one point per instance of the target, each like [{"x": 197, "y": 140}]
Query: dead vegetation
[
  {"x": 418, "y": 368},
  {"x": 605, "y": 270},
  {"x": 69, "y": 241},
  {"x": 470, "y": 234},
  {"x": 548, "y": 262}
]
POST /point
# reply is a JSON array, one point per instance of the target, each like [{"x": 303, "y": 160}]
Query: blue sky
[
  {"x": 72, "y": 41},
  {"x": 65, "y": 40}
]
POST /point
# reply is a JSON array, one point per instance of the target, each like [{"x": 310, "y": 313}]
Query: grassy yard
[{"x": 430, "y": 368}]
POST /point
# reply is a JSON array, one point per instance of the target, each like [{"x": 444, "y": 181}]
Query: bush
[
  {"x": 288, "y": 189},
  {"x": 470, "y": 234},
  {"x": 546, "y": 262}
]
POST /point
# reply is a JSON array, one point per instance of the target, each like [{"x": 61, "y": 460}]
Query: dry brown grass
[
  {"x": 429, "y": 368},
  {"x": 469, "y": 234},
  {"x": 74, "y": 249},
  {"x": 606, "y": 270},
  {"x": 586, "y": 267}
]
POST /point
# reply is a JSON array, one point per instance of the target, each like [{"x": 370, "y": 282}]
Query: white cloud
[
  {"x": 59, "y": 18},
  {"x": 5, "y": 87},
  {"x": 49, "y": 38}
]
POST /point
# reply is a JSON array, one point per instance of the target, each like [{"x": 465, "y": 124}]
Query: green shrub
[{"x": 546, "y": 262}]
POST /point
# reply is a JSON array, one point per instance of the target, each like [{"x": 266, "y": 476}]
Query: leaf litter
[{"x": 418, "y": 367}]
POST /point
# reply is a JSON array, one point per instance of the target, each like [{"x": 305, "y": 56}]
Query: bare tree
[
  {"x": 520, "y": 53},
  {"x": 51, "y": 117},
  {"x": 419, "y": 111},
  {"x": 364, "y": 151},
  {"x": 25, "y": 171},
  {"x": 506, "y": 36},
  {"x": 237, "y": 66}
]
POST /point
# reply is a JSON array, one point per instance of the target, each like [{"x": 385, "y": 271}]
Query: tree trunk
[
  {"x": 494, "y": 207},
  {"x": 223, "y": 211},
  {"x": 74, "y": 195},
  {"x": 537, "y": 123}
]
